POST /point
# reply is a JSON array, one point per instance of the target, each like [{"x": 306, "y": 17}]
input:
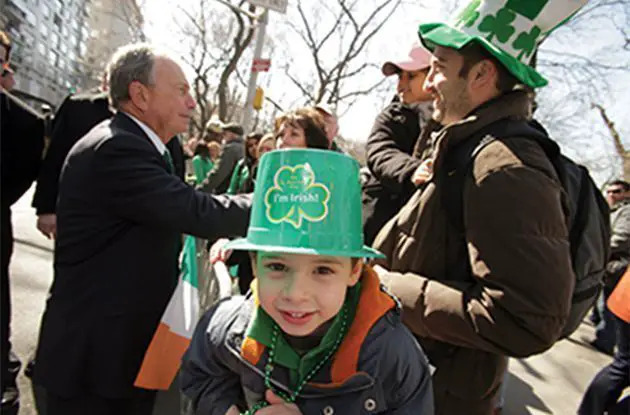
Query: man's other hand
[{"x": 47, "y": 224}]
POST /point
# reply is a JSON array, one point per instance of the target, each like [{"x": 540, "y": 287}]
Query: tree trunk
[{"x": 619, "y": 147}]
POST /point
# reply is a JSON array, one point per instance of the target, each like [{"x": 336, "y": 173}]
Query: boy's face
[{"x": 301, "y": 292}]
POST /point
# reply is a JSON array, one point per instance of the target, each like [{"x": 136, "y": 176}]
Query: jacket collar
[
  {"x": 152, "y": 135},
  {"x": 126, "y": 123},
  {"x": 514, "y": 104}
]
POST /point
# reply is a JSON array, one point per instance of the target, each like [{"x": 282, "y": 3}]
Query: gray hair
[{"x": 130, "y": 63}]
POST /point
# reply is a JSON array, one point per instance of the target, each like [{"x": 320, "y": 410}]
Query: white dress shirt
[{"x": 159, "y": 145}]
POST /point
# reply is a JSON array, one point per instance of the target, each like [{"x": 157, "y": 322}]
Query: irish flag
[{"x": 170, "y": 341}]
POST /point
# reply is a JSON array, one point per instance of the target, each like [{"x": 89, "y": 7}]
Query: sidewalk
[{"x": 553, "y": 382}]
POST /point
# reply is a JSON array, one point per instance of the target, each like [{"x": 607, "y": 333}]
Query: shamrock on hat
[
  {"x": 306, "y": 201},
  {"x": 509, "y": 29}
]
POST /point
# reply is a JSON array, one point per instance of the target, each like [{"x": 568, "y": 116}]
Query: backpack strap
[{"x": 459, "y": 160}]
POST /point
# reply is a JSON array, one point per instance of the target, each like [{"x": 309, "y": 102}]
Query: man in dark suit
[
  {"x": 76, "y": 116},
  {"x": 21, "y": 144},
  {"x": 120, "y": 214}
]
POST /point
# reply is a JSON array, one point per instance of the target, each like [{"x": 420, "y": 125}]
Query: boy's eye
[
  {"x": 323, "y": 270},
  {"x": 276, "y": 266}
]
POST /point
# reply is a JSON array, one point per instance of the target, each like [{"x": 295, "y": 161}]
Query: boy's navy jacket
[{"x": 379, "y": 367}]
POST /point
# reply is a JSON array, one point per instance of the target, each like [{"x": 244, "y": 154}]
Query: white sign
[{"x": 278, "y": 5}]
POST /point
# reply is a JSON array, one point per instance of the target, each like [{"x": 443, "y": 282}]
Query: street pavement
[{"x": 550, "y": 383}]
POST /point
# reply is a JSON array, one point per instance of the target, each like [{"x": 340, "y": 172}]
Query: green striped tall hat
[{"x": 509, "y": 29}]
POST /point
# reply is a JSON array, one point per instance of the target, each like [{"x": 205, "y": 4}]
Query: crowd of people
[{"x": 403, "y": 290}]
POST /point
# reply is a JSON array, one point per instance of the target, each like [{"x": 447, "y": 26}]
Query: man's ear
[
  {"x": 139, "y": 95},
  {"x": 482, "y": 75}
]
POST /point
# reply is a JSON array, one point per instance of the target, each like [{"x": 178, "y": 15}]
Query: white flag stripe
[{"x": 182, "y": 312}]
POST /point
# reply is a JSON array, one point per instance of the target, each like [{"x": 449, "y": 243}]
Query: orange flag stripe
[{"x": 162, "y": 359}]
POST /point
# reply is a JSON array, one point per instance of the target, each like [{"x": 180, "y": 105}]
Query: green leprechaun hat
[
  {"x": 306, "y": 201},
  {"x": 509, "y": 29}
]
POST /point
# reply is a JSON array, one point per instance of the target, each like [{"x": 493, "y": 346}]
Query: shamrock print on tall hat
[
  {"x": 515, "y": 26},
  {"x": 296, "y": 196}
]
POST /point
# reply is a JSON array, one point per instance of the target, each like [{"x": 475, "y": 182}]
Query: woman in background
[
  {"x": 267, "y": 143},
  {"x": 301, "y": 128},
  {"x": 242, "y": 175}
]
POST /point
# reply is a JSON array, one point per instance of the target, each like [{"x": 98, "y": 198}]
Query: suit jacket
[
  {"x": 21, "y": 146},
  {"x": 219, "y": 177},
  {"x": 76, "y": 116},
  {"x": 120, "y": 215}
]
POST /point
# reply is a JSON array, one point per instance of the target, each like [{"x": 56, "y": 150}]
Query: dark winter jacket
[
  {"x": 501, "y": 287},
  {"x": 378, "y": 369},
  {"x": 391, "y": 164}
]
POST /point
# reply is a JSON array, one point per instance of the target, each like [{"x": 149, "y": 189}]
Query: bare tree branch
[
  {"x": 349, "y": 33},
  {"x": 298, "y": 84},
  {"x": 365, "y": 91}
]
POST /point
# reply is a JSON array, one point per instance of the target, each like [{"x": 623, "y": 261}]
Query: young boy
[{"x": 316, "y": 334}]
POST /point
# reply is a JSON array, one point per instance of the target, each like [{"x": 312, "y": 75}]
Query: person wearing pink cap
[
  {"x": 395, "y": 146},
  {"x": 412, "y": 71}
]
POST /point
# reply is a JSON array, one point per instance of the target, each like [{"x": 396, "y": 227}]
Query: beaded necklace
[{"x": 270, "y": 360}]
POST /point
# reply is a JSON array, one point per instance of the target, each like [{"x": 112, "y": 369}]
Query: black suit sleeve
[
  {"x": 135, "y": 185},
  {"x": 45, "y": 197},
  {"x": 390, "y": 146}
]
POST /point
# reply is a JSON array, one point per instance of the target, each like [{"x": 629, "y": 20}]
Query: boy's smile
[
  {"x": 296, "y": 318},
  {"x": 302, "y": 292}
]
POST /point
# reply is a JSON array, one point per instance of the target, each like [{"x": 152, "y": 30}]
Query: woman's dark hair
[
  {"x": 251, "y": 136},
  {"x": 254, "y": 136},
  {"x": 202, "y": 150},
  {"x": 310, "y": 121}
]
